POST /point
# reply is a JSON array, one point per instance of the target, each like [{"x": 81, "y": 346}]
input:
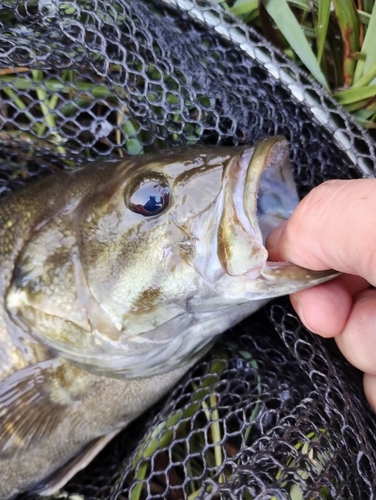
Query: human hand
[{"x": 334, "y": 226}]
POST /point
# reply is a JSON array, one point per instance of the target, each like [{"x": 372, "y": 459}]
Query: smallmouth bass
[{"x": 115, "y": 279}]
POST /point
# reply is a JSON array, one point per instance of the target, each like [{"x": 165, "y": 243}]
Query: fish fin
[
  {"x": 63, "y": 475},
  {"x": 27, "y": 413}
]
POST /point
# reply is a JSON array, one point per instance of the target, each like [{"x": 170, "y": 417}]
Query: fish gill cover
[{"x": 272, "y": 411}]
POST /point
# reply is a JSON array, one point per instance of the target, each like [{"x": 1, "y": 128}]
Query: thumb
[{"x": 334, "y": 226}]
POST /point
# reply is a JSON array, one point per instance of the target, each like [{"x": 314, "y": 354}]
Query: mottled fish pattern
[{"x": 114, "y": 279}]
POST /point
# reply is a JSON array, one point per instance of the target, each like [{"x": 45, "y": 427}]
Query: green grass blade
[
  {"x": 367, "y": 77},
  {"x": 368, "y": 5},
  {"x": 364, "y": 17},
  {"x": 17, "y": 101},
  {"x": 303, "y": 4},
  {"x": 287, "y": 23},
  {"x": 366, "y": 123},
  {"x": 244, "y": 7},
  {"x": 354, "y": 95},
  {"x": 368, "y": 48},
  {"x": 322, "y": 26},
  {"x": 222, "y": 3},
  {"x": 363, "y": 114},
  {"x": 46, "y": 107},
  {"x": 348, "y": 22},
  {"x": 357, "y": 106}
]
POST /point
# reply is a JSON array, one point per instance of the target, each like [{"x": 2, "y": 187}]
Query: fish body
[{"x": 114, "y": 279}]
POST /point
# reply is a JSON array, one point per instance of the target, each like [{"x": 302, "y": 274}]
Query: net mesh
[{"x": 272, "y": 411}]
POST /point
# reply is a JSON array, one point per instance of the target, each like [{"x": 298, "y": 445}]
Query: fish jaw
[
  {"x": 239, "y": 267},
  {"x": 239, "y": 240},
  {"x": 283, "y": 278}
]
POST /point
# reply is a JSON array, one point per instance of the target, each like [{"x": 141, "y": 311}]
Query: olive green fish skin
[
  {"x": 79, "y": 408},
  {"x": 25, "y": 460},
  {"x": 103, "y": 309}
]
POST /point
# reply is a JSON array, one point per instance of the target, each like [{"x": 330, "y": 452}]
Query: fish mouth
[
  {"x": 259, "y": 193},
  {"x": 241, "y": 248},
  {"x": 270, "y": 194}
]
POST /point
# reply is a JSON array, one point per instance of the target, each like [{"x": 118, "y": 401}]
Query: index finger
[{"x": 334, "y": 226}]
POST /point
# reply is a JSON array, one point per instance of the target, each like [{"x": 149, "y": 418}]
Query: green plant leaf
[
  {"x": 348, "y": 21},
  {"x": 353, "y": 95},
  {"x": 368, "y": 5},
  {"x": 367, "y": 123},
  {"x": 364, "y": 17},
  {"x": 243, "y": 7},
  {"x": 287, "y": 23},
  {"x": 322, "y": 26},
  {"x": 303, "y": 4},
  {"x": 367, "y": 78},
  {"x": 368, "y": 48}
]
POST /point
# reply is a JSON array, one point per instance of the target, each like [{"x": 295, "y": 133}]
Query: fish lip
[
  {"x": 242, "y": 227},
  {"x": 240, "y": 196},
  {"x": 271, "y": 152},
  {"x": 240, "y": 248},
  {"x": 245, "y": 186}
]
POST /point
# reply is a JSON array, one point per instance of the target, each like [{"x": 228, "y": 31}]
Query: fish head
[{"x": 138, "y": 274}]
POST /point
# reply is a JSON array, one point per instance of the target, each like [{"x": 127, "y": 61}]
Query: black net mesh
[{"x": 272, "y": 411}]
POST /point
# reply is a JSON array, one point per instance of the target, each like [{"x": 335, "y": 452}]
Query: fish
[{"x": 115, "y": 278}]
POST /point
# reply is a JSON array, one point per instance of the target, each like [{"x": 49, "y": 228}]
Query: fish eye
[{"x": 150, "y": 197}]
